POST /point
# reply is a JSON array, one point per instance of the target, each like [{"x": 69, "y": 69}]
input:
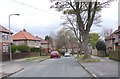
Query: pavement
[
  {"x": 106, "y": 68},
  {"x": 8, "y": 68}
]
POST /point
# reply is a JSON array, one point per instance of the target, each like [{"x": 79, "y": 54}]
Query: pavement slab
[
  {"x": 8, "y": 68},
  {"x": 105, "y": 68}
]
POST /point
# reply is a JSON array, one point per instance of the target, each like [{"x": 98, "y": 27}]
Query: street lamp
[{"x": 10, "y": 35}]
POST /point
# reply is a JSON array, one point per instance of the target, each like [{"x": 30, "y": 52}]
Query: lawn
[
  {"x": 37, "y": 58},
  {"x": 80, "y": 58}
]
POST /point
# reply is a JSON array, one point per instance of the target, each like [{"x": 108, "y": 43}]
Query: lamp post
[{"x": 10, "y": 35}]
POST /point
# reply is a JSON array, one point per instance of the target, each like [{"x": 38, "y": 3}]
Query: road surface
[{"x": 59, "y": 67}]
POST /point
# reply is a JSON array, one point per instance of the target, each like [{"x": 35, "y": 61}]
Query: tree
[
  {"x": 87, "y": 14},
  {"x": 65, "y": 39},
  {"x": 106, "y": 32},
  {"x": 50, "y": 40},
  {"x": 93, "y": 38},
  {"x": 47, "y": 38},
  {"x": 100, "y": 45}
]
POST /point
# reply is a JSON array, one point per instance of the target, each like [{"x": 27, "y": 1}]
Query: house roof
[
  {"x": 42, "y": 40},
  {"x": 24, "y": 35},
  {"x": 4, "y": 30},
  {"x": 115, "y": 32},
  {"x": 118, "y": 30}
]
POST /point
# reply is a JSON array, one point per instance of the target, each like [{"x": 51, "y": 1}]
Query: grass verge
[
  {"x": 89, "y": 60},
  {"x": 80, "y": 58},
  {"x": 36, "y": 58}
]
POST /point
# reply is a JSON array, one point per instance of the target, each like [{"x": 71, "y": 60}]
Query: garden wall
[{"x": 6, "y": 56}]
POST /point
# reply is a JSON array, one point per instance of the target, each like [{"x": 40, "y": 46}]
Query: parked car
[
  {"x": 54, "y": 54},
  {"x": 67, "y": 54}
]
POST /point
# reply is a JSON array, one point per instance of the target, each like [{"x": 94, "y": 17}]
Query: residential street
[{"x": 62, "y": 67}]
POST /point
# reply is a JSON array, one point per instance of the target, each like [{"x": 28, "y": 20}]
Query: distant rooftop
[
  {"x": 24, "y": 35},
  {"x": 4, "y": 30},
  {"x": 42, "y": 40}
]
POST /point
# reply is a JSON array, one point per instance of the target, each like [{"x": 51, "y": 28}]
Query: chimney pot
[{"x": 24, "y": 30}]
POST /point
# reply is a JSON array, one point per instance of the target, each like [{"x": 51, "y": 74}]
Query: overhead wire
[{"x": 35, "y": 8}]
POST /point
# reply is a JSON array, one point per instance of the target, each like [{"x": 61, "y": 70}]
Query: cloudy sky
[{"x": 37, "y": 17}]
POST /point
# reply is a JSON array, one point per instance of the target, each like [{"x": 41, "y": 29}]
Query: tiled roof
[
  {"x": 24, "y": 35},
  {"x": 42, "y": 40},
  {"x": 4, "y": 30},
  {"x": 113, "y": 34}
]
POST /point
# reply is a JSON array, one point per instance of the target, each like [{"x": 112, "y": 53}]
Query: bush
[
  {"x": 100, "y": 45},
  {"x": 61, "y": 52},
  {"x": 23, "y": 48},
  {"x": 33, "y": 49},
  {"x": 13, "y": 48}
]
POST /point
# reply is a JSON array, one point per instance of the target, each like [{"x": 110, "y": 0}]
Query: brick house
[
  {"x": 5, "y": 39},
  {"x": 24, "y": 37},
  {"x": 113, "y": 41},
  {"x": 44, "y": 44}
]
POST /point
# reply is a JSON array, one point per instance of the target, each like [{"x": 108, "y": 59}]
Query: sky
[{"x": 38, "y": 19}]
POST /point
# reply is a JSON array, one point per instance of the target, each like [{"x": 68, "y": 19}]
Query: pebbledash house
[
  {"x": 113, "y": 41},
  {"x": 24, "y": 37}
]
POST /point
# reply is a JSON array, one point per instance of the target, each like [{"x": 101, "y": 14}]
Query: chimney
[
  {"x": 37, "y": 36},
  {"x": 24, "y": 30}
]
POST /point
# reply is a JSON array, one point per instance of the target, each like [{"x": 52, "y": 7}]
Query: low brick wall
[
  {"x": 6, "y": 56},
  {"x": 114, "y": 55}
]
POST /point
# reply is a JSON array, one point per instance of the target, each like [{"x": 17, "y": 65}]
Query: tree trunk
[{"x": 85, "y": 45}]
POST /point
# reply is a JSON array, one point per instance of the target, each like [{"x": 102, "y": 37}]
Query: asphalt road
[{"x": 61, "y": 67}]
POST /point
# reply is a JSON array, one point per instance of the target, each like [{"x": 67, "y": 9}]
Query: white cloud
[
  {"x": 34, "y": 14},
  {"x": 37, "y": 17},
  {"x": 109, "y": 17}
]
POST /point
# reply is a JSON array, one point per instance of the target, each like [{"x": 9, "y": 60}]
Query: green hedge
[
  {"x": 23, "y": 48},
  {"x": 33, "y": 49},
  {"x": 14, "y": 48}
]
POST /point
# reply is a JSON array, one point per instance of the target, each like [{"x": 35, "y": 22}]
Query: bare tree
[
  {"x": 87, "y": 14},
  {"x": 65, "y": 39},
  {"x": 106, "y": 32}
]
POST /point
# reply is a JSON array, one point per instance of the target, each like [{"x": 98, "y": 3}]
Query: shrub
[
  {"x": 100, "y": 45},
  {"x": 23, "y": 48},
  {"x": 61, "y": 52},
  {"x": 13, "y": 48},
  {"x": 33, "y": 49}
]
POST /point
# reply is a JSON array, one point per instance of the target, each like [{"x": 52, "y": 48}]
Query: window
[
  {"x": 5, "y": 48},
  {"x": 119, "y": 36},
  {"x": 4, "y": 36}
]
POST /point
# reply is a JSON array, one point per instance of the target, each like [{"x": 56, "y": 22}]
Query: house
[
  {"x": 44, "y": 45},
  {"x": 24, "y": 37},
  {"x": 5, "y": 39},
  {"x": 113, "y": 41}
]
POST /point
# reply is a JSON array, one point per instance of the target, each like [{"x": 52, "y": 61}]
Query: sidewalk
[
  {"x": 105, "y": 68},
  {"x": 10, "y": 67}
]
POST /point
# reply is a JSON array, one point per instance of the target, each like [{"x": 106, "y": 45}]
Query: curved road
[{"x": 61, "y": 67}]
